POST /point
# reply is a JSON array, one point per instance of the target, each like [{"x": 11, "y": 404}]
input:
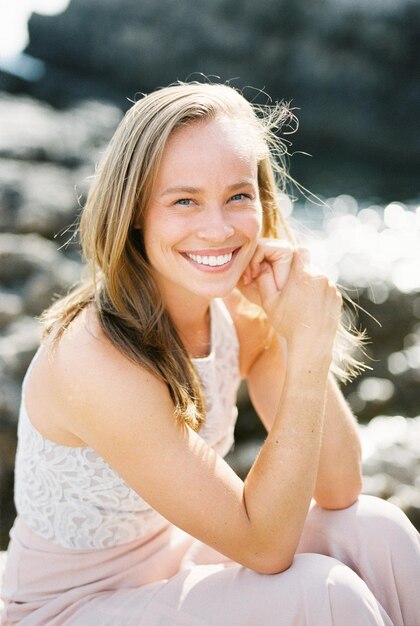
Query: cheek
[
  {"x": 252, "y": 224},
  {"x": 161, "y": 236}
]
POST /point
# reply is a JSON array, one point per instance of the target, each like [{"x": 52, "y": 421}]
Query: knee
[
  {"x": 372, "y": 506},
  {"x": 366, "y": 509},
  {"x": 368, "y": 516},
  {"x": 324, "y": 575},
  {"x": 379, "y": 515}
]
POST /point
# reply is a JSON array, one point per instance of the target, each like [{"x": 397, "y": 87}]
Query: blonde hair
[{"x": 120, "y": 282}]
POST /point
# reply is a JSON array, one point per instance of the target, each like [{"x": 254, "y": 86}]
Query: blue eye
[
  {"x": 184, "y": 201},
  {"x": 240, "y": 196}
]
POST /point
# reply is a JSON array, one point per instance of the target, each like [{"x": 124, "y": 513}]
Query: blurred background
[{"x": 68, "y": 70}]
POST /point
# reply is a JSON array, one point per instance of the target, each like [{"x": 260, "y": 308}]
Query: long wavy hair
[{"x": 119, "y": 279}]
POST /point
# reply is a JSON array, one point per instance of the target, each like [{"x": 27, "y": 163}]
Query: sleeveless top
[{"x": 72, "y": 497}]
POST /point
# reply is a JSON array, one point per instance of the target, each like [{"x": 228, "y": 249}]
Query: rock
[
  {"x": 379, "y": 484},
  {"x": 9, "y": 402},
  {"x": 45, "y": 199},
  {"x": 36, "y": 132},
  {"x": 397, "y": 462},
  {"x": 242, "y": 457},
  {"x": 327, "y": 57},
  {"x": 33, "y": 265},
  {"x": 18, "y": 345},
  {"x": 11, "y": 307}
]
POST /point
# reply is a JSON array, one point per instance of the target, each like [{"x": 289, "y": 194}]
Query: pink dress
[{"x": 86, "y": 549}]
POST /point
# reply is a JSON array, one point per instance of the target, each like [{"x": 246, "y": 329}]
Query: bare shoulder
[
  {"x": 253, "y": 329},
  {"x": 84, "y": 352},
  {"x": 87, "y": 373}
]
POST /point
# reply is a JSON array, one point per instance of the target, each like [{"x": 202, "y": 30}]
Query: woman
[{"x": 127, "y": 512}]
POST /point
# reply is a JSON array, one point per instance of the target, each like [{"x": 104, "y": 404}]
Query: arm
[
  {"x": 127, "y": 416},
  {"x": 338, "y": 481}
]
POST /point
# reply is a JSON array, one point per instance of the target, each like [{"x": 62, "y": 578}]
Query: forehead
[{"x": 216, "y": 139}]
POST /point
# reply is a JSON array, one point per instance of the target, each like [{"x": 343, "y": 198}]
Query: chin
[{"x": 215, "y": 292}]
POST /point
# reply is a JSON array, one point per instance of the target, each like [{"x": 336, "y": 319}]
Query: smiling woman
[{"x": 127, "y": 511}]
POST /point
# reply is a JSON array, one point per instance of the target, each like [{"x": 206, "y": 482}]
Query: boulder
[
  {"x": 33, "y": 267},
  {"x": 11, "y": 307},
  {"x": 35, "y": 131},
  {"x": 349, "y": 66},
  {"x": 39, "y": 198}
]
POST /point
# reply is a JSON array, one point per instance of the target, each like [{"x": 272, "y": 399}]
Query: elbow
[
  {"x": 275, "y": 568},
  {"x": 270, "y": 562},
  {"x": 342, "y": 499}
]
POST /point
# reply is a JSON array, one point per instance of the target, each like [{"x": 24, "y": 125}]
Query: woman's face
[{"x": 204, "y": 216}]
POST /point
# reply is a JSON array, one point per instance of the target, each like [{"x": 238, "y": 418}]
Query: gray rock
[
  {"x": 380, "y": 485},
  {"x": 328, "y": 56},
  {"x": 34, "y": 265},
  {"x": 11, "y": 307},
  {"x": 18, "y": 345},
  {"x": 242, "y": 456},
  {"x": 9, "y": 401},
  {"x": 34, "y": 131},
  {"x": 45, "y": 197},
  {"x": 395, "y": 461}
]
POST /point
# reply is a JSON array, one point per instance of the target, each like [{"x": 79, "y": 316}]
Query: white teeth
[{"x": 222, "y": 259}]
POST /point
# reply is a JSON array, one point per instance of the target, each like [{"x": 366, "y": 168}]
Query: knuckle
[{"x": 323, "y": 281}]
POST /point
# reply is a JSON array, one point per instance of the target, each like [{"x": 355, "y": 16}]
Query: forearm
[
  {"x": 339, "y": 479},
  {"x": 281, "y": 483}
]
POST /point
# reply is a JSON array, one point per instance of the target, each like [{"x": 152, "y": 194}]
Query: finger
[
  {"x": 273, "y": 251},
  {"x": 266, "y": 283},
  {"x": 256, "y": 261},
  {"x": 277, "y": 250}
]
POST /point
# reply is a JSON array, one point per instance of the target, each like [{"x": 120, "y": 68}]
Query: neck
[{"x": 192, "y": 321}]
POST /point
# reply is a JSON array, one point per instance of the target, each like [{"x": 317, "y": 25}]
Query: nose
[{"x": 215, "y": 225}]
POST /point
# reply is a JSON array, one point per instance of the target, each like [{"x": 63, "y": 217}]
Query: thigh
[{"x": 314, "y": 590}]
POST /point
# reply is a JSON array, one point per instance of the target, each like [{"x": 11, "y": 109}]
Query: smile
[{"x": 213, "y": 261}]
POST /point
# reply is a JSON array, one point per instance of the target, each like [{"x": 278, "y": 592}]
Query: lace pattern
[{"x": 73, "y": 498}]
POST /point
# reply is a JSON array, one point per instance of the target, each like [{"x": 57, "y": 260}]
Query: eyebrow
[{"x": 192, "y": 190}]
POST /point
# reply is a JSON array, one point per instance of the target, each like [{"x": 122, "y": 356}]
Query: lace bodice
[{"x": 73, "y": 498}]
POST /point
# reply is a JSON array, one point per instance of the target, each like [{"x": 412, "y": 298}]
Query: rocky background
[{"x": 350, "y": 66}]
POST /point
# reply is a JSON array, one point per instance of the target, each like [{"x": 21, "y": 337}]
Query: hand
[
  {"x": 302, "y": 304},
  {"x": 269, "y": 252}
]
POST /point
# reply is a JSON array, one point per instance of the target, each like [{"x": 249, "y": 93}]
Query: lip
[{"x": 211, "y": 251}]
